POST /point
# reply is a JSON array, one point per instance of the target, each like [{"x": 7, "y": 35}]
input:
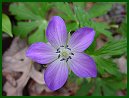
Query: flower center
[{"x": 64, "y": 53}]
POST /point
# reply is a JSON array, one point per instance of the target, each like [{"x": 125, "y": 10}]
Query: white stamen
[{"x": 64, "y": 53}]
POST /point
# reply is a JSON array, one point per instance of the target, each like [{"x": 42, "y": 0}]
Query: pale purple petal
[
  {"x": 41, "y": 53},
  {"x": 56, "y": 74},
  {"x": 83, "y": 65},
  {"x": 81, "y": 39},
  {"x": 56, "y": 32}
]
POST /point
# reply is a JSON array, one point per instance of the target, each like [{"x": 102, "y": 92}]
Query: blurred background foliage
[{"x": 109, "y": 21}]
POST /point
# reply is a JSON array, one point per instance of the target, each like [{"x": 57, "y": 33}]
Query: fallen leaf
[{"x": 15, "y": 61}]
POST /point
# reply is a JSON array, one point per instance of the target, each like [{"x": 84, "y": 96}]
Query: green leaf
[
  {"x": 111, "y": 86},
  {"x": 79, "y": 81},
  {"x": 72, "y": 26},
  {"x": 66, "y": 11},
  {"x": 106, "y": 65},
  {"x": 91, "y": 48},
  {"x": 99, "y": 9},
  {"x": 97, "y": 90},
  {"x": 123, "y": 28},
  {"x": 108, "y": 86},
  {"x": 84, "y": 88},
  {"x": 107, "y": 91},
  {"x": 39, "y": 35},
  {"x": 82, "y": 16},
  {"x": 114, "y": 47},
  {"x": 80, "y": 4},
  {"x": 6, "y": 25},
  {"x": 72, "y": 77},
  {"x": 22, "y": 12},
  {"x": 33, "y": 22},
  {"x": 107, "y": 33},
  {"x": 101, "y": 28},
  {"x": 38, "y": 8},
  {"x": 84, "y": 20},
  {"x": 24, "y": 28}
]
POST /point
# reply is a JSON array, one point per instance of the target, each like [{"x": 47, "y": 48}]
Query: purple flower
[{"x": 62, "y": 54}]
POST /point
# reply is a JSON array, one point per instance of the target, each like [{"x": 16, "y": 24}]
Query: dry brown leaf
[
  {"x": 14, "y": 63},
  {"x": 122, "y": 64}
]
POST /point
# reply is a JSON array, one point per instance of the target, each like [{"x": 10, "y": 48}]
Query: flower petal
[
  {"x": 56, "y": 74},
  {"x": 81, "y": 39},
  {"x": 56, "y": 32},
  {"x": 83, "y": 65},
  {"x": 41, "y": 53}
]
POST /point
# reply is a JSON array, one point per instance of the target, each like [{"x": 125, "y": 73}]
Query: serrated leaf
[
  {"x": 107, "y": 91},
  {"x": 99, "y": 9},
  {"x": 22, "y": 12},
  {"x": 80, "y": 4},
  {"x": 111, "y": 86},
  {"x": 24, "y": 28},
  {"x": 108, "y": 86},
  {"x": 39, "y": 35},
  {"x": 123, "y": 28},
  {"x": 101, "y": 28},
  {"x": 79, "y": 81},
  {"x": 97, "y": 90},
  {"x": 72, "y": 26},
  {"x": 99, "y": 65},
  {"x": 106, "y": 65},
  {"x": 118, "y": 83},
  {"x": 107, "y": 34},
  {"x": 67, "y": 12},
  {"x": 91, "y": 48},
  {"x": 72, "y": 77},
  {"x": 84, "y": 89},
  {"x": 6, "y": 25},
  {"x": 82, "y": 16},
  {"x": 34, "y": 24},
  {"x": 114, "y": 47},
  {"x": 39, "y": 8},
  {"x": 84, "y": 20}
]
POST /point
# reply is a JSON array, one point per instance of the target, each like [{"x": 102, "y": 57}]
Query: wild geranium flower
[{"x": 62, "y": 54}]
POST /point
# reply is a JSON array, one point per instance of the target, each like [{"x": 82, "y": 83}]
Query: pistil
[{"x": 65, "y": 53}]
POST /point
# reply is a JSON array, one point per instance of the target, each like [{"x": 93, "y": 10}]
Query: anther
[
  {"x": 58, "y": 49},
  {"x": 70, "y": 57},
  {"x": 58, "y": 52},
  {"x": 61, "y": 46},
  {"x": 59, "y": 56},
  {"x": 62, "y": 59},
  {"x": 67, "y": 59},
  {"x": 69, "y": 48},
  {"x": 72, "y": 53}
]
